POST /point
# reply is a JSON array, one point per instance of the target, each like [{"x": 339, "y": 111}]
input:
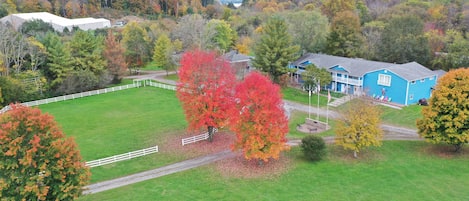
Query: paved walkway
[{"x": 391, "y": 133}]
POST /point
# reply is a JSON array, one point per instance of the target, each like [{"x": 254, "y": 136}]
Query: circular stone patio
[{"x": 312, "y": 126}]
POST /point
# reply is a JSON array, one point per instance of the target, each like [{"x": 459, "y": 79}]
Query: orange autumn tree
[
  {"x": 205, "y": 89},
  {"x": 446, "y": 118},
  {"x": 259, "y": 122},
  {"x": 37, "y": 162}
]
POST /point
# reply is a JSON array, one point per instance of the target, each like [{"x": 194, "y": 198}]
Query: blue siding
[
  {"x": 420, "y": 89},
  {"x": 396, "y": 91}
]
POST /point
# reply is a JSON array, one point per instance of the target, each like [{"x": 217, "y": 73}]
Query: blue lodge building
[{"x": 398, "y": 83}]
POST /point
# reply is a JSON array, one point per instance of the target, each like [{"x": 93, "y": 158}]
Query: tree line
[{"x": 432, "y": 33}]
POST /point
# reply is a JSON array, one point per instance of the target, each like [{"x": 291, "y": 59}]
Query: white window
[
  {"x": 422, "y": 80},
  {"x": 384, "y": 80},
  {"x": 413, "y": 82},
  {"x": 432, "y": 78}
]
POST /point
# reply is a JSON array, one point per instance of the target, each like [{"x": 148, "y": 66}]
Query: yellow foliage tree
[
  {"x": 446, "y": 119},
  {"x": 359, "y": 127}
]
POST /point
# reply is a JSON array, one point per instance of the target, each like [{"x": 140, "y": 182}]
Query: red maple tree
[
  {"x": 205, "y": 89},
  {"x": 38, "y": 162},
  {"x": 260, "y": 122}
]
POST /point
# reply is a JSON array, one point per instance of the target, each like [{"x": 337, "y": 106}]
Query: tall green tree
[
  {"x": 403, "y": 41},
  {"x": 59, "y": 61},
  {"x": 38, "y": 162},
  {"x": 446, "y": 119},
  {"x": 86, "y": 51},
  {"x": 360, "y": 127},
  {"x": 345, "y": 38},
  {"x": 309, "y": 30},
  {"x": 162, "y": 55},
  {"x": 274, "y": 49}
]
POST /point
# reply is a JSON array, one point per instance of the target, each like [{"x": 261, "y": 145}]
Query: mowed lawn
[
  {"x": 399, "y": 170},
  {"x": 120, "y": 122}
]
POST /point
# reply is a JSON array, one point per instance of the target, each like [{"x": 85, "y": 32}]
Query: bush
[{"x": 313, "y": 147}]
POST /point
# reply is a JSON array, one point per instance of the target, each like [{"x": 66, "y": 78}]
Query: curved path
[{"x": 391, "y": 133}]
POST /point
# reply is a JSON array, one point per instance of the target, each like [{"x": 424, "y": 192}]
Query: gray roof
[
  {"x": 233, "y": 57},
  {"x": 412, "y": 71},
  {"x": 440, "y": 72},
  {"x": 358, "y": 67}
]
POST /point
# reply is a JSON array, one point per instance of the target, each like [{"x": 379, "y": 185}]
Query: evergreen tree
[
  {"x": 274, "y": 50},
  {"x": 58, "y": 64}
]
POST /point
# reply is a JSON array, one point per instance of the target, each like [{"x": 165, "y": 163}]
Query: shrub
[{"x": 313, "y": 147}]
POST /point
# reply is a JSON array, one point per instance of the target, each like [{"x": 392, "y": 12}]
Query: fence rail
[
  {"x": 121, "y": 157},
  {"x": 194, "y": 139},
  {"x": 137, "y": 83}
]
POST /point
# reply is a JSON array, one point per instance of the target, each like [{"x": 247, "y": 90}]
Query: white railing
[
  {"x": 161, "y": 85},
  {"x": 121, "y": 157},
  {"x": 194, "y": 139},
  {"x": 197, "y": 138},
  {"x": 347, "y": 81}
]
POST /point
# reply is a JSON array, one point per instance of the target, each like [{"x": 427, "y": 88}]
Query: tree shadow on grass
[
  {"x": 366, "y": 155},
  {"x": 445, "y": 151}
]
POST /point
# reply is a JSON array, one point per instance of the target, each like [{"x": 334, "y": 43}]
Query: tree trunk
[
  {"x": 355, "y": 154},
  {"x": 210, "y": 133},
  {"x": 458, "y": 147}
]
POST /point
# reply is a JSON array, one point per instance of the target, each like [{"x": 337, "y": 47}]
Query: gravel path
[
  {"x": 158, "y": 172},
  {"x": 391, "y": 133}
]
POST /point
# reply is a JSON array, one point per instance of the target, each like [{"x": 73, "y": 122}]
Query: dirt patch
[{"x": 239, "y": 167}]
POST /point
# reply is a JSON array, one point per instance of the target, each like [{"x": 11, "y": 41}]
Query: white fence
[
  {"x": 137, "y": 83},
  {"x": 194, "y": 139},
  {"x": 121, "y": 157}
]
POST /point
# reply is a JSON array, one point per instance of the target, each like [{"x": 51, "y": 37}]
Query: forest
[{"x": 36, "y": 62}]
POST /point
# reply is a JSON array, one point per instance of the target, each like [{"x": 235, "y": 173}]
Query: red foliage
[
  {"x": 205, "y": 89},
  {"x": 260, "y": 123},
  {"x": 38, "y": 162}
]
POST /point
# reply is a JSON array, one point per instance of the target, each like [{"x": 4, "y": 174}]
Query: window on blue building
[{"x": 384, "y": 80}]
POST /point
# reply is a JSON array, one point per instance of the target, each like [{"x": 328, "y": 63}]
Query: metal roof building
[{"x": 58, "y": 23}]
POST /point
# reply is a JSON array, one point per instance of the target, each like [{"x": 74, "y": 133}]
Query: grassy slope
[
  {"x": 120, "y": 122},
  {"x": 406, "y": 117},
  {"x": 398, "y": 170}
]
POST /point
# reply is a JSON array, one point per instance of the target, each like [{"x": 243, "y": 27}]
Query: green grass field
[
  {"x": 119, "y": 122},
  {"x": 406, "y": 117},
  {"x": 300, "y": 96},
  {"x": 399, "y": 170},
  {"x": 151, "y": 66}
]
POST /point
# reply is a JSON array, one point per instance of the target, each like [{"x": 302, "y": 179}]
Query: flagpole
[
  {"x": 327, "y": 110},
  {"x": 319, "y": 89},
  {"x": 309, "y": 105}
]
